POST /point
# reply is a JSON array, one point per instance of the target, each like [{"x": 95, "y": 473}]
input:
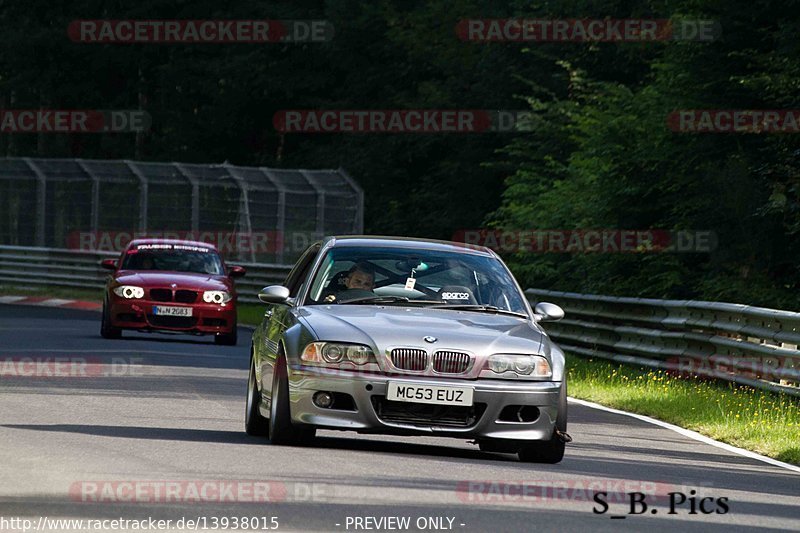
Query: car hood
[
  {"x": 390, "y": 326},
  {"x": 181, "y": 279}
]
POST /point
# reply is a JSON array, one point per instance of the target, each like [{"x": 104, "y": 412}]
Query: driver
[{"x": 360, "y": 276}]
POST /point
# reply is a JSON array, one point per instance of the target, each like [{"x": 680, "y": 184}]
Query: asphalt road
[{"x": 158, "y": 420}]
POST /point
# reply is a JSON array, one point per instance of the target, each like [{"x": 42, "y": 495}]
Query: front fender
[
  {"x": 557, "y": 360},
  {"x": 294, "y": 340}
]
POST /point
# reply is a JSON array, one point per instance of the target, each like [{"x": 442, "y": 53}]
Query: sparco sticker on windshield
[{"x": 455, "y": 296}]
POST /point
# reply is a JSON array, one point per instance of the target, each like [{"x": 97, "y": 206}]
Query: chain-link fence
[{"x": 252, "y": 214}]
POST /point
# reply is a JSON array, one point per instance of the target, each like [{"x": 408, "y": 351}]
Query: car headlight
[
  {"x": 129, "y": 291},
  {"x": 520, "y": 365},
  {"x": 334, "y": 353},
  {"x": 216, "y": 297}
]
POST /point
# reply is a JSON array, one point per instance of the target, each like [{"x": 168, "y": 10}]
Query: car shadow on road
[
  {"x": 240, "y": 437},
  {"x": 143, "y": 432},
  {"x": 168, "y": 338},
  {"x": 407, "y": 448}
]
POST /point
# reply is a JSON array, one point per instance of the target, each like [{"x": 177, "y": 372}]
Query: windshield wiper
[{"x": 483, "y": 308}]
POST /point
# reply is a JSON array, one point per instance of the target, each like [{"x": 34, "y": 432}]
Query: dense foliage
[
  {"x": 600, "y": 155},
  {"x": 606, "y": 159}
]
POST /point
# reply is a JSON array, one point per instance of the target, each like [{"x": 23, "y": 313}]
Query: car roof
[
  {"x": 139, "y": 242},
  {"x": 371, "y": 241}
]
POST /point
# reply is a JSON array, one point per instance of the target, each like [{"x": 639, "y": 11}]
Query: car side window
[{"x": 299, "y": 273}]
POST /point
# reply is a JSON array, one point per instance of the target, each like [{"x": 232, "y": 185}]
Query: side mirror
[
  {"x": 109, "y": 264},
  {"x": 235, "y": 271},
  {"x": 547, "y": 312},
  {"x": 274, "y": 294}
]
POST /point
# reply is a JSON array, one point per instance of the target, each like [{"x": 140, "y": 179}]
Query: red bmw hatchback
[{"x": 171, "y": 285}]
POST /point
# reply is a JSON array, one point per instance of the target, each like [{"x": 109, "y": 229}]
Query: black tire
[
  {"x": 107, "y": 331},
  {"x": 549, "y": 451},
  {"x": 254, "y": 423},
  {"x": 227, "y": 339},
  {"x": 281, "y": 429}
]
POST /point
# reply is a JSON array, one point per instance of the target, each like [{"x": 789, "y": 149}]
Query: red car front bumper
[{"x": 206, "y": 319}]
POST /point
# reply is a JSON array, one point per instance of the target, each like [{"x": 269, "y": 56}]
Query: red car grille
[
  {"x": 410, "y": 359},
  {"x": 161, "y": 295},
  {"x": 185, "y": 297},
  {"x": 450, "y": 362},
  {"x": 167, "y": 295}
]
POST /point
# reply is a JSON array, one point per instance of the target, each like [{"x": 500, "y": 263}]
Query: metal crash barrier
[
  {"x": 22, "y": 266},
  {"x": 749, "y": 345}
]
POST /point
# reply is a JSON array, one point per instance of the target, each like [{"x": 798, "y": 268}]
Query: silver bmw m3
[{"x": 412, "y": 337}]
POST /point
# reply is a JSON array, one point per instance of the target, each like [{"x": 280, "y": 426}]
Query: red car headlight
[
  {"x": 216, "y": 297},
  {"x": 130, "y": 292}
]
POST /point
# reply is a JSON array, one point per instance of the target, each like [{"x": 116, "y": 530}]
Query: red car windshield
[{"x": 174, "y": 258}]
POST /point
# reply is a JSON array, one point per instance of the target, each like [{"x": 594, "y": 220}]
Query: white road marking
[
  {"x": 11, "y": 299},
  {"x": 691, "y": 434}
]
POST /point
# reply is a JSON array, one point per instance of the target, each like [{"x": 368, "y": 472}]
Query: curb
[{"x": 40, "y": 301}]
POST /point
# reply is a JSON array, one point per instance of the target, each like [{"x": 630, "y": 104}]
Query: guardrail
[
  {"x": 53, "y": 267},
  {"x": 749, "y": 345}
]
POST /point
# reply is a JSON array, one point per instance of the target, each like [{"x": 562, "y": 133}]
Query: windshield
[
  {"x": 173, "y": 258},
  {"x": 425, "y": 277}
]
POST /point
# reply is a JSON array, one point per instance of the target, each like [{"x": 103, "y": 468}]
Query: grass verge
[{"x": 757, "y": 420}]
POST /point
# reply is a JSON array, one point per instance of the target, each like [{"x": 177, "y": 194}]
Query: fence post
[
  {"x": 281, "y": 212},
  {"x": 195, "y": 196},
  {"x": 142, "y": 195},
  {"x": 41, "y": 202},
  {"x": 243, "y": 202}
]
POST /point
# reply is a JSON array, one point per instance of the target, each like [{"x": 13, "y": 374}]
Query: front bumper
[
  {"x": 206, "y": 319},
  {"x": 367, "y": 390}
]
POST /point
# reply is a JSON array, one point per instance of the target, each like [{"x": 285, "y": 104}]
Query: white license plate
[
  {"x": 165, "y": 310},
  {"x": 404, "y": 392}
]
